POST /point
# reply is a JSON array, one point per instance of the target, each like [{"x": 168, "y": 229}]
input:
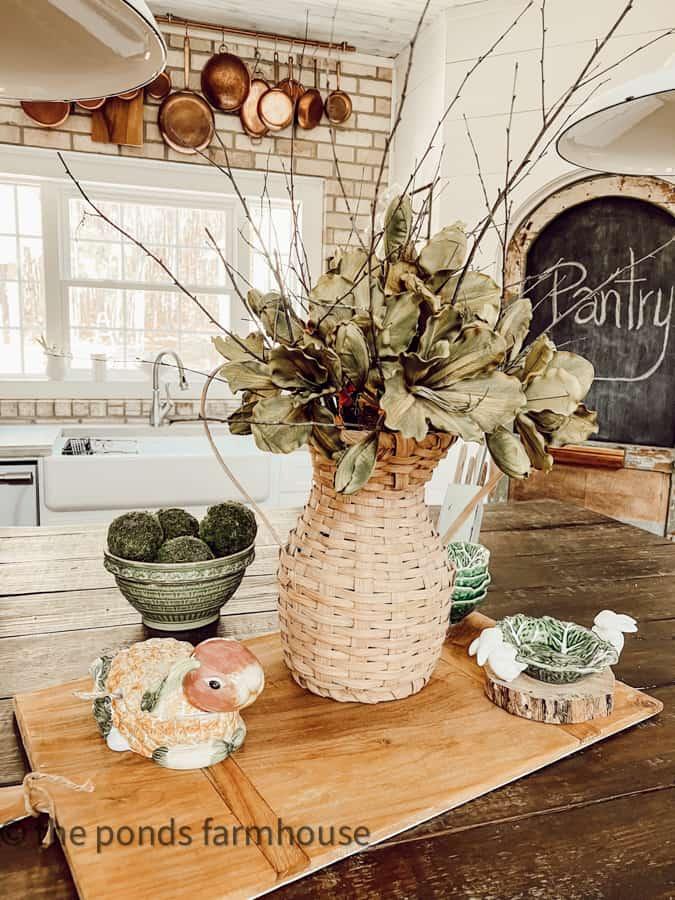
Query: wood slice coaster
[{"x": 559, "y": 704}]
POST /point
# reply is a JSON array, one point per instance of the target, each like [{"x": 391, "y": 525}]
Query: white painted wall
[
  {"x": 573, "y": 26},
  {"x": 423, "y": 108}
]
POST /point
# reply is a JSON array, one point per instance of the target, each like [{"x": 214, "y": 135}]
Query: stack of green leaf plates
[{"x": 471, "y": 578}]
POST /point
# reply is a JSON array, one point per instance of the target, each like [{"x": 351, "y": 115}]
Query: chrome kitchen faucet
[{"x": 160, "y": 409}]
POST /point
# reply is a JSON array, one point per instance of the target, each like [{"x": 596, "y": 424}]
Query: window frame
[{"x": 112, "y": 177}]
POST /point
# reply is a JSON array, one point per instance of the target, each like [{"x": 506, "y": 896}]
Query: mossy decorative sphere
[
  {"x": 177, "y": 522},
  {"x": 228, "y": 527},
  {"x": 136, "y": 536},
  {"x": 183, "y": 549}
]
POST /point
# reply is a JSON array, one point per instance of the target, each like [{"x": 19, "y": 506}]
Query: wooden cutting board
[
  {"x": 119, "y": 121},
  {"x": 307, "y": 763}
]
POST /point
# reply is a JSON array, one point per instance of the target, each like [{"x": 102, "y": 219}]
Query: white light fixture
[
  {"x": 628, "y": 131},
  {"x": 77, "y": 49}
]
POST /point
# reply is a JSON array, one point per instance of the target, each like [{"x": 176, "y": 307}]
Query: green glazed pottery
[
  {"x": 461, "y": 608},
  {"x": 554, "y": 651},
  {"x": 470, "y": 593},
  {"x": 462, "y": 580},
  {"x": 179, "y": 596},
  {"x": 468, "y": 558},
  {"x": 471, "y": 577}
]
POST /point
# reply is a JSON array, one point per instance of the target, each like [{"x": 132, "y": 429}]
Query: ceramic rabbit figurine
[{"x": 176, "y": 704}]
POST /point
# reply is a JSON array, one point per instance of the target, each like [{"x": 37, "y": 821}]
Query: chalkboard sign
[{"x": 626, "y": 330}]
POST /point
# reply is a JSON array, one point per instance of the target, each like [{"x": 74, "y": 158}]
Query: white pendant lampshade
[
  {"x": 629, "y": 130},
  {"x": 77, "y": 49}
]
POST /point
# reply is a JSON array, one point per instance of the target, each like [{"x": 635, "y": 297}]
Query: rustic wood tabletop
[{"x": 599, "y": 824}]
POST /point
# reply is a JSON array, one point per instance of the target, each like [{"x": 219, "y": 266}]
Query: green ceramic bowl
[
  {"x": 179, "y": 596},
  {"x": 557, "y": 652},
  {"x": 461, "y": 592},
  {"x": 462, "y": 580},
  {"x": 461, "y": 608},
  {"x": 468, "y": 558}
]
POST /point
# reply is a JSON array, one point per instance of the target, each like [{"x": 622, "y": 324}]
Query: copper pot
[
  {"x": 251, "y": 122},
  {"x": 310, "y": 105},
  {"x": 338, "y": 103},
  {"x": 226, "y": 80},
  {"x": 160, "y": 87},
  {"x": 290, "y": 85},
  {"x": 47, "y": 113},
  {"x": 91, "y": 105},
  {"x": 129, "y": 95},
  {"x": 275, "y": 107},
  {"x": 185, "y": 118}
]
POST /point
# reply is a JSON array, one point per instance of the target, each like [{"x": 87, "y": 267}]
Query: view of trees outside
[
  {"x": 119, "y": 301},
  {"x": 22, "y": 297}
]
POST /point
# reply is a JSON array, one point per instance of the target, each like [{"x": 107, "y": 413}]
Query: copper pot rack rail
[{"x": 273, "y": 37}]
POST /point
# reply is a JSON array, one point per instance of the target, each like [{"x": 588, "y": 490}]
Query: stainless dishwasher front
[{"x": 18, "y": 493}]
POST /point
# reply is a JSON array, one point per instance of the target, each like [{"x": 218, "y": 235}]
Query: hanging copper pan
[
  {"x": 251, "y": 122},
  {"x": 275, "y": 107},
  {"x": 160, "y": 87},
  {"x": 338, "y": 103},
  {"x": 129, "y": 95},
  {"x": 225, "y": 80},
  {"x": 91, "y": 105},
  {"x": 185, "y": 118},
  {"x": 46, "y": 113},
  {"x": 290, "y": 85},
  {"x": 310, "y": 105}
]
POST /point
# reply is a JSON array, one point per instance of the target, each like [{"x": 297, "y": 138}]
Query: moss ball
[
  {"x": 136, "y": 536},
  {"x": 185, "y": 548},
  {"x": 228, "y": 527},
  {"x": 177, "y": 522}
]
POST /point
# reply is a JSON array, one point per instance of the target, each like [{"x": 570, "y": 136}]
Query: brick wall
[{"x": 359, "y": 142}]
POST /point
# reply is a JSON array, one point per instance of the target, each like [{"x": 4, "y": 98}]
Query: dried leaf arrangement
[{"x": 404, "y": 339}]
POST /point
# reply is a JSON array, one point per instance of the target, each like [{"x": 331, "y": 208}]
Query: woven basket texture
[{"x": 364, "y": 584}]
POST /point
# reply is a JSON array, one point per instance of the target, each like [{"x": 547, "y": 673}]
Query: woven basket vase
[{"x": 364, "y": 583}]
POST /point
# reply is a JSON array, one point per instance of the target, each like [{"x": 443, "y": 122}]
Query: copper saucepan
[
  {"x": 47, "y": 113},
  {"x": 338, "y": 103},
  {"x": 290, "y": 85},
  {"x": 275, "y": 107},
  {"x": 91, "y": 105},
  {"x": 160, "y": 87},
  {"x": 251, "y": 122},
  {"x": 226, "y": 80},
  {"x": 185, "y": 118},
  {"x": 310, "y": 106}
]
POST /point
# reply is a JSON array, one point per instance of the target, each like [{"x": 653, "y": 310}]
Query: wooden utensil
[
  {"x": 291, "y": 85},
  {"x": 338, "y": 104},
  {"x": 46, "y": 113},
  {"x": 486, "y": 489},
  {"x": 160, "y": 87},
  {"x": 310, "y": 105},
  {"x": 225, "y": 80},
  {"x": 275, "y": 107},
  {"x": 185, "y": 118},
  {"x": 119, "y": 122},
  {"x": 251, "y": 122}
]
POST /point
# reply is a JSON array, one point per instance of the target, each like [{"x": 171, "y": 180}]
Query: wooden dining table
[{"x": 599, "y": 824}]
